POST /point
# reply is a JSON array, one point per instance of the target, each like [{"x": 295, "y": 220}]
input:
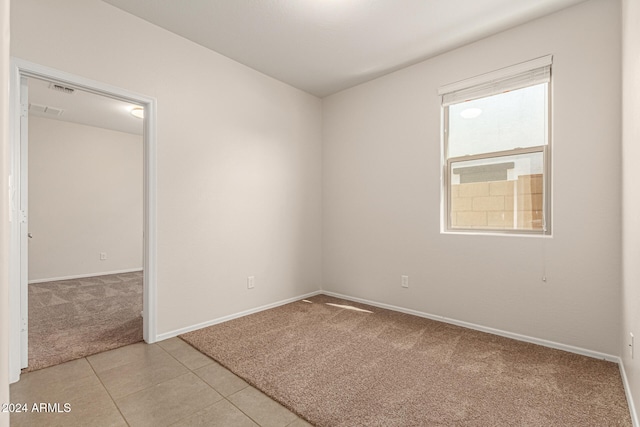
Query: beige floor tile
[
  {"x": 138, "y": 352},
  {"x": 90, "y": 404},
  {"x": 222, "y": 414},
  {"x": 261, "y": 408},
  {"x": 153, "y": 368},
  {"x": 150, "y": 387},
  {"x": 168, "y": 402},
  {"x": 187, "y": 355},
  {"x": 43, "y": 383},
  {"x": 221, "y": 379}
]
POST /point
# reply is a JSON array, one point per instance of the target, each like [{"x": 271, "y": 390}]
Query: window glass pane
[
  {"x": 501, "y": 193},
  {"x": 515, "y": 119}
]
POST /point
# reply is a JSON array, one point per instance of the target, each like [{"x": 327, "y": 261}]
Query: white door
[{"x": 24, "y": 223}]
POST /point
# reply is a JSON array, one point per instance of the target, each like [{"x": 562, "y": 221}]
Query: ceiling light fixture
[
  {"x": 470, "y": 113},
  {"x": 137, "y": 112}
]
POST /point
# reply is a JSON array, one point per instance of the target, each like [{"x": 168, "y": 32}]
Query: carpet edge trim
[
  {"x": 176, "y": 332},
  {"x": 476, "y": 327},
  {"x": 627, "y": 391},
  {"x": 249, "y": 381}
]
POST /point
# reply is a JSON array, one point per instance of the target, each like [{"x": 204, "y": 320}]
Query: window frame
[{"x": 446, "y": 168}]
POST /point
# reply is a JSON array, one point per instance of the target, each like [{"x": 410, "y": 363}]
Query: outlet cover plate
[{"x": 405, "y": 281}]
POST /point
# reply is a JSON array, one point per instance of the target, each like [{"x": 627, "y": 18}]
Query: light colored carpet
[
  {"x": 70, "y": 319},
  {"x": 336, "y": 366}
]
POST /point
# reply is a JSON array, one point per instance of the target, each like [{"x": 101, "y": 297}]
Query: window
[{"x": 496, "y": 153}]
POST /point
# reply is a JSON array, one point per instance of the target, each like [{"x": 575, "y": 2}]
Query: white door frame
[{"x": 17, "y": 301}]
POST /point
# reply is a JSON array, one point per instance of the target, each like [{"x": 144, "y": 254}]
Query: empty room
[
  {"x": 85, "y": 224},
  {"x": 354, "y": 213}
]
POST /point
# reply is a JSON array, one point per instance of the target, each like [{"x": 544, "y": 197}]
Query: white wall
[
  {"x": 381, "y": 190},
  {"x": 4, "y": 208},
  {"x": 631, "y": 193},
  {"x": 239, "y": 172},
  {"x": 85, "y": 197}
]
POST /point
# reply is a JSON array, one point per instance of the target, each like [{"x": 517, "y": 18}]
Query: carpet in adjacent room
[{"x": 70, "y": 319}]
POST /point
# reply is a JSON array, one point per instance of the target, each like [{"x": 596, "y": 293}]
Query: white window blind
[{"x": 518, "y": 76}]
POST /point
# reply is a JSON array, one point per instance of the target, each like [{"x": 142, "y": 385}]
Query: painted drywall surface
[
  {"x": 381, "y": 191},
  {"x": 85, "y": 197},
  {"x": 631, "y": 193},
  {"x": 4, "y": 209},
  {"x": 239, "y": 157}
]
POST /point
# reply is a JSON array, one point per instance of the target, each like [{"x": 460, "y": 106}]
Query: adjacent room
[
  {"x": 372, "y": 213},
  {"x": 85, "y": 224}
]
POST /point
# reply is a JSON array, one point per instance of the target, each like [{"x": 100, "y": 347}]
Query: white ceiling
[
  {"x": 324, "y": 46},
  {"x": 82, "y": 107}
]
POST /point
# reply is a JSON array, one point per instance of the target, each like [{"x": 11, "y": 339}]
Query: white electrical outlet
[
  {"x": 103, "y": 256},
  {"x": 251, "y": 282},
  {"x": 631, "y": 344},
  {"x": 405, "y": 281}
]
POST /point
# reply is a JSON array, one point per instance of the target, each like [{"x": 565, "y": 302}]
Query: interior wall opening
[{"x": 85, "y": 223}]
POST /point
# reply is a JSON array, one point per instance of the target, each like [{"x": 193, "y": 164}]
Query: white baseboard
[
  {"x": 167, "y": 335},
  {"x": 627, "y": 390},
  {"x": 499, "y": 332},
  {"x": 82, "y": 276},
  {"x": 506, "y": 334}
]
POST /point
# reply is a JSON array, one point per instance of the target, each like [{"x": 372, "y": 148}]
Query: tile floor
[{"x": 165, "y": 384}]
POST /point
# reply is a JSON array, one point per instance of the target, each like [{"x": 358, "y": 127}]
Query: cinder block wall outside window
[{"x": 498, "y": 204}]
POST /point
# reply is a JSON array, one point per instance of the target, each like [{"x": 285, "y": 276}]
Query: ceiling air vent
[
  {"x": 60, "y": 88},
  {"x": 45, "y": 110},
  {"x": 37, "y": 108}
]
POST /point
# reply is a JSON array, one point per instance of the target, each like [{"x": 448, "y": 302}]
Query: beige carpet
[
  {"x": 336, "y": 366},
  {"x": 70, "y": 319}
]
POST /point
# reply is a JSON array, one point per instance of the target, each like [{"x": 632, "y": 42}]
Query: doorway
[
  {"x": 19, "y": 267},
  {"x": 84, "y": 223}
]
